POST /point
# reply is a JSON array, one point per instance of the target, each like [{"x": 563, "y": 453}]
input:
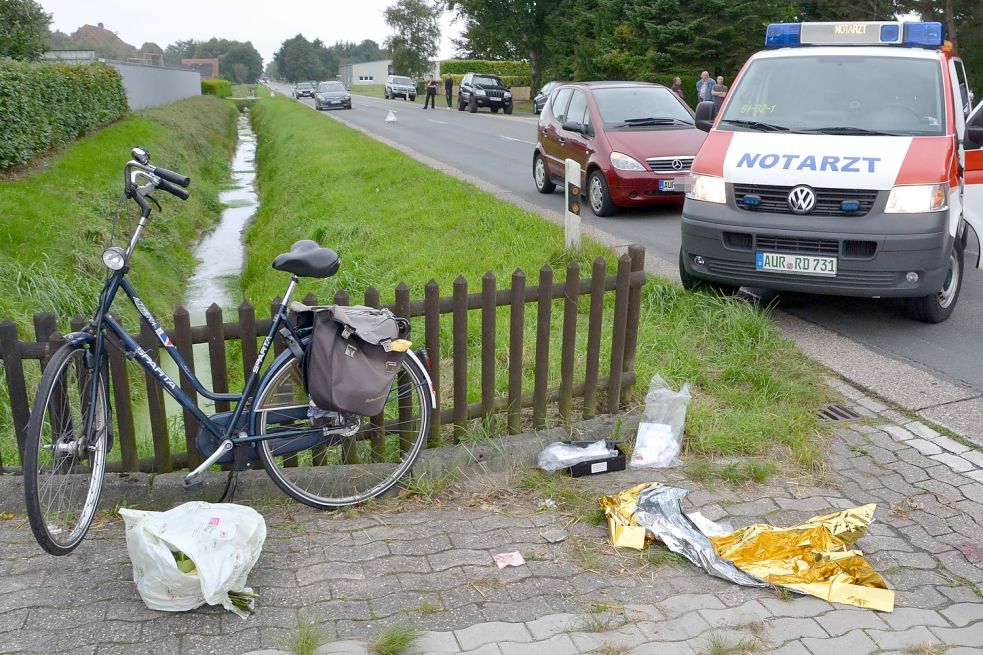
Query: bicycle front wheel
[
  {"x": 330, "y": 467},
  {"x": 65, "y": 454}
]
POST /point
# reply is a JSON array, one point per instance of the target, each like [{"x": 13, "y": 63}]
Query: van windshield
[{"x": 849, "y": 94}]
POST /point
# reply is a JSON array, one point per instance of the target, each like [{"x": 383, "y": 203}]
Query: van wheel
[
  {"x": 937, "y": 307},
  {"x": 691, "y": 283},
  {"x": 541, "y": 175},
  {"x": 598, "y": 195}
]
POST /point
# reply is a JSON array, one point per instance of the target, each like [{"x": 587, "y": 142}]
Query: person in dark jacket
[
  {"x": 431, "y": 93},
  {"x": 449, "y": 89}
]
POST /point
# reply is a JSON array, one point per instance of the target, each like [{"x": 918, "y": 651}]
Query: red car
[{"x": 635, "y": 143}]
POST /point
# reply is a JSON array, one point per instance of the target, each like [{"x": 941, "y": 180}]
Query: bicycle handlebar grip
[
  {"x": 171, "y": 176},
  {"x": 173, "y": 190}
]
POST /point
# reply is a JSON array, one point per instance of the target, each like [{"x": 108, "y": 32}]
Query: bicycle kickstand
[{"x": 194, "y": 481}]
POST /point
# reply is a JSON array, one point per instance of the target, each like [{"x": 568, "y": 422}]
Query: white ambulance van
[{"x": 846, "y": 160}]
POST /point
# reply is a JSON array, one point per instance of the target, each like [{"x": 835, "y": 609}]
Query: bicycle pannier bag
[{"x": 354, "y": 355}]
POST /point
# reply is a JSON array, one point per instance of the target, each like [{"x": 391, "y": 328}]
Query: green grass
[
  {"x": 720, "y": 645},
  {"x": 395, "y": 639},
  {"x": 58, "y": 219},
  {"x": 306, "y": 638},
  {"x": 394, "y": 220}
]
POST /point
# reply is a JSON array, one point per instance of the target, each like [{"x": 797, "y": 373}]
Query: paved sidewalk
[{"x": 353, "y": 574}]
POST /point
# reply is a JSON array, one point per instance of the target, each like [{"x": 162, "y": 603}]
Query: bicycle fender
[
  {"x": 426, "y": 374},
  {"x": 277, "y": 363}
]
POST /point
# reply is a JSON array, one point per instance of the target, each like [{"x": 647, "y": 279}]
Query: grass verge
[
  {"x": 58, "y": 218},
  {"x": 395, "y": 220}
]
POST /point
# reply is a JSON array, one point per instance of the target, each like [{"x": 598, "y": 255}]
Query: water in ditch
[{"x": 220, "y": 256}]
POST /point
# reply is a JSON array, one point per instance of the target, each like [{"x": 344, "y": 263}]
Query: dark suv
[
  {"x": 484, "y": 90},
  {"x": 400, "y": 85}
]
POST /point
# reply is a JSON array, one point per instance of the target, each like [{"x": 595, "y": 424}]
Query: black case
[{"x": 598, "y": 466}]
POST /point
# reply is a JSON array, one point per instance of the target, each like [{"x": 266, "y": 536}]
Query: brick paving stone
[
  {"x": 903, "y": 618},
  {"x": 493, "y": 632},
  {"x": 925, "y": 447},
  {"x": 457, "y": 558},
  {"x": 875, "y": 406},
  {"x": 627, "y": 636},
  {"x": 686, "y": 603},
  {"x": 898, "y": 432},
  {"x": 954, "y": 462},
  {"x": 922, "y": 430},
  {"x": 974, "y": 456},
  {"x": 778, "y": 631},
  {"x": 487, "y": 649},
  {"x": 433, "y": 642},
  {"x": 901, "y": 640},
  {"x": 962, "y": 614},
  {"x": 854, "y": 642},
  {"x": 845, "y": 620},
  {"x": 556, "y": 645},
  {"x": 748, "y": 612},
  {"x": 659, "y": 648},
  {"x": 349, "y": 647},
  {"x": 971, "y": 635},
  {"x": 546, "y": 626},
  {"x": 685, "y": 627},
  {"x": 791, "y": 648},
  {"x": 797, "y": 607}
]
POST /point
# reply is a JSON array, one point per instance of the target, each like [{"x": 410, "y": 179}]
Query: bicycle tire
[
  {"x": 362, "y": 460},
  {"x": 59, "y": 408}
]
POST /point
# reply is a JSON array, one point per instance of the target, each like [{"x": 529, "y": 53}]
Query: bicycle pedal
[{"x": 193, "y": 483}]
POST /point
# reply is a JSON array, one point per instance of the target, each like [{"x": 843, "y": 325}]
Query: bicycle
[{"x": 324, "y": 459}]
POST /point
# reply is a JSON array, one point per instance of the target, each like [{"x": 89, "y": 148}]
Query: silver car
[{"x": 400, "y": 86}]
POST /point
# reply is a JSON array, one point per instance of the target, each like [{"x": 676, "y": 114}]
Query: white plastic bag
[
  {"x": 660, "y": 434},
  {"x": 559, "y": 455},
  {"x": 223, "y": 540}
]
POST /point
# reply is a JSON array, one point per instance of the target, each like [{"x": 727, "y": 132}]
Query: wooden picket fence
[{"x": 455, "y": 415}]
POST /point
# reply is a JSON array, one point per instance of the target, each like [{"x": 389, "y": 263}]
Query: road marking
[
  {"x": 436, "y": 121},
  {"x": 508, "y": 138}
]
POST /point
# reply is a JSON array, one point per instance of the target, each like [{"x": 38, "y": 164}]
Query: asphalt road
[{"x": 498, "y": 149}]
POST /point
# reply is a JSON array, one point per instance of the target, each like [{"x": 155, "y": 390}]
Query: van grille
[
  {"x": 775, "y": 199},
  {"x": 775, "y": 243}
]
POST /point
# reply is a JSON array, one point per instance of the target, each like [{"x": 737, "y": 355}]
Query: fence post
[
  {"x": 13, "y": 368},
  {"x": 155, "y": 405},
  {"x": 618, "y": 333},
  {"x": 124, "y": 411},
  {"x": 431, "y": 329},
  {"x": 637, "y": 255},
  {"x": 571, "y": 299},
  {"x": 340, "y": 297},
  {"x": 377, "y": 422},
  {"x": 216, "y": 354},
  {"x": 405, "y": 404},
  {"x": 182, "y": 339},
  {"x": 517, "y": 319},
  {"x": 594, "y": 322},
  {"x": 488, "y": 312},
  {"x": 460, "y": 358},
  {"x": 247, "y": 337},
  {"x": 542, "y": 347},
  {"x": 45, "y": 325}
]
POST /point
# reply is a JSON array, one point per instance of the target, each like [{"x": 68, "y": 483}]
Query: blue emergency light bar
[{"x": 914, "y": 35}]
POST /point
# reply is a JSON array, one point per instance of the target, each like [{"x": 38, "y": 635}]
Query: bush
[
  {"x": 43, "y": 105},
  {"x": 502, "y": 68},
  {"x": 220, "y": 88}
]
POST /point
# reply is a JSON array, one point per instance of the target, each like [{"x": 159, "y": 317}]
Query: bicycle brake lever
[{"x": 154, "y": 200}]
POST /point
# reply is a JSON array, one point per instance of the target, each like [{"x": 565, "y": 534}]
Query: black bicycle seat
[{"x": 307, "y": 259}]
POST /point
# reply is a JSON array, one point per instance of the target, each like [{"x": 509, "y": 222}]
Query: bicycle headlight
[
  {"x": 114, "y": 258},
  {"x": 916, "y": 199}
]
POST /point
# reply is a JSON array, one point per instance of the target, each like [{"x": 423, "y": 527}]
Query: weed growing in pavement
[
  {"x": 784, "y": 594},
  {"x": 395, "y": 639},
  {"x": 927, "y": 648},
  {"x": 720, "y": 645},
  {"x": 859, "y": 450},
  {"x": 587, "y": 554},
  {"x": 427, "y": 487},
  {"x": 737, "y": 473},
  {"x": 660, "y": 557},
  {"x": 610, "y": 649},
  {"x": 567, "y": 494},
  {"x": 426, "y": 607},
  {"x": 305, "y": 639}
]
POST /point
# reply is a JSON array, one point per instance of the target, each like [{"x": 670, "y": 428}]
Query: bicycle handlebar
[
  {"x": 157, "y": 178},
  {"x": 176, "y": 178},
  {"x": 164, "y": 185}
]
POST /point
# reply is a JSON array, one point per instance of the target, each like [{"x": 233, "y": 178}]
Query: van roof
[{"x": 848, "y": 51}]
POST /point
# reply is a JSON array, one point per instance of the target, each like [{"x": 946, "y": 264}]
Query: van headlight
[
  {"x": 917, "y": 199},
  {"x": 623, "y": 162},
  {"x": 708, "y": 188}
]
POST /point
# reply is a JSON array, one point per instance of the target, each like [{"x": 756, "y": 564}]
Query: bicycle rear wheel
[
  {"x": 64, "y": 462},
  {"x": 334, "y": 471}
]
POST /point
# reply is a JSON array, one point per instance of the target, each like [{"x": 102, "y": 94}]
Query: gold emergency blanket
[{"x": 815, "y": 557}]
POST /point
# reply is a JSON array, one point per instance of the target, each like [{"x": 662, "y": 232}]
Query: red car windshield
[{"x": 625, "y": 107}]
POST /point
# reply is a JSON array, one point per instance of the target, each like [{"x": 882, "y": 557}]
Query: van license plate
[
  {"x": 796, "y": 264},
  {"x": 667, "y": 185}
]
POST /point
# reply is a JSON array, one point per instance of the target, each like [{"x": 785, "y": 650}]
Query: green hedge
[
  {"x": 43, "y": 105},
  {"x": 502, "y": 68},
  {"x": 220, "y": 88}
]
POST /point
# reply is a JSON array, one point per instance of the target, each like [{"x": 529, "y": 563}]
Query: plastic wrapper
[
  {"x": 222, "y": 540},
  {"x": 660, "y": 433},
  {"x": 815, "y": 557},
  {"x": 559, "y": 455}
]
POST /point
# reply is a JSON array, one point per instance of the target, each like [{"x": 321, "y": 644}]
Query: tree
[
  {"x": 298, "y": 59},
  {"x": 23, "y": 29},
  {"x": 240, "y": 63},
  {"x": 416, "y": 35},
  {"x": 175, "y": 52}
]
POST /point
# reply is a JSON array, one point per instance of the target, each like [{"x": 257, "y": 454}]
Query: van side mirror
[
  {"x": 704, "y": 115},
  {"x": 573, "y": 126}
]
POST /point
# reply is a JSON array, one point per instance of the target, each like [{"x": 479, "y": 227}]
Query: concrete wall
[{"x": 151, "y": 86}]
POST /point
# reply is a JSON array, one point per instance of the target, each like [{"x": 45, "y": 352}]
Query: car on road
[
  {"x": 304, "y": 90},
  {"x": 484, "y": 90},
  {"x": 634, "y": 142},
  {"x": 400, "y": 86},
  {"x": 539, "y": 100},
  {"x": 332, "y": 94}
]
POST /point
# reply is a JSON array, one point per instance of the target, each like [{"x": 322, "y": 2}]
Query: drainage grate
[{"x": 837, "y": 413}]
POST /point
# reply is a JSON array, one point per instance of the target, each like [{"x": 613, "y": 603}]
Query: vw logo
[
  {"x": 802, "y": 199},
  {"x": 677, "y": 164}
]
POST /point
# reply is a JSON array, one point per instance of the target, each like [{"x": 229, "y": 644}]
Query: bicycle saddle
[{"x": 307, "y": 259}]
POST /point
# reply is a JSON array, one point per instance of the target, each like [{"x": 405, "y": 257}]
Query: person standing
[
  {"x": 431, "y": 93},
  {"x": 704, "y": 87},
  {"x": 718, "y": 93},
  {"x": 677, "y": 88},
  {"x": 449, "y": 89}
]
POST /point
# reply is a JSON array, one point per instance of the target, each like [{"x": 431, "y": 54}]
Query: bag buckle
[
  {"x": 347, "y": 331},
  {"x": 387, "y": 345}
]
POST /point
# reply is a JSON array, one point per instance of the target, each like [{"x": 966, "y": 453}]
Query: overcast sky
[{"x": 267, "y": 23}]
